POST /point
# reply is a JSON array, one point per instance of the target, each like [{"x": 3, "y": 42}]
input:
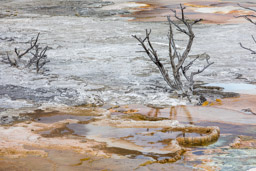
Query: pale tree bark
[{"x": 180, "y": 81}]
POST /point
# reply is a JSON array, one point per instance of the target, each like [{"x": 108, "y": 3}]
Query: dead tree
[
  {"x": 181, "y": 81},
  {"x": 36, "y": 56},
  {"x": 249, "y": 18}
]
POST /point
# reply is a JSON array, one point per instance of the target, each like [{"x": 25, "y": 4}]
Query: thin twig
[
  {"x": 252, "y": 51},
  {"x": 32, "y": 45}
]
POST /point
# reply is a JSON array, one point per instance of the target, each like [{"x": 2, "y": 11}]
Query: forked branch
[
  {"x": 152, "y": 53},
  {"x": 38, "y": 59},
  {"x": 33, "y": 43},
  {"x": 200, "y": 70},
  {"x": 177, "y": 59}
]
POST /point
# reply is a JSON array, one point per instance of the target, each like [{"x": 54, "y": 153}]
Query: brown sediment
[
  {"x": 120, "y": 151},
  {"x": 13, "y": 152},
  {"x": 140, "y": 117},
  {"x": 176, "y": 157},
  {"x": 166, "y": 141},
  {"x": 56, "y": 160},
  {"x": 56, "y": 132},
  {"x": 81, "y": 161}
]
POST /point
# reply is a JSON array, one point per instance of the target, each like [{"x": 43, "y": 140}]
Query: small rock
[
  {"x": 202, "y": 99},
  {"x": 248, "y": 111}
]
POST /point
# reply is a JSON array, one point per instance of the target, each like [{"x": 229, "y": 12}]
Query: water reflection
[
  {"x": 196, "y": 114},
  {"x": 175, "y": 109},
  {"x": 154, "y": 112},
  {"x": 175, "y": 113}
]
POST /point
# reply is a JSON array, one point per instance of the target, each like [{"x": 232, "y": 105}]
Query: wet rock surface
[
  {"x": 108, "y": 136},
  {"x": 94, "y": 136}
]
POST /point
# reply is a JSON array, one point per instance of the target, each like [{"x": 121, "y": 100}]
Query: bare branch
[
  {"x": 186, "y": 68},
  {"x": 190, "y": 63},
  {"x": 144, "y": 47},
  {"x": 176, "y": 25},
  {"x": 154, "y": 57},
  {"x": 172, "y": 46},
  {"x": 254, "y": 16},
  {"x": 182, "y": 12},
  {"x": 191, "y": 35},
  {"x": 247, "y": 17},
  {"x": 32, "y": 45},
  {"x": 197, "y": 21},
  {"x": 39, "y": 57},
  {"x": 200, "y": 70},
  {"x": 252, "y": 51},
  {"x": 246, "y": 7},
  {"x": 253, "y": 39}
]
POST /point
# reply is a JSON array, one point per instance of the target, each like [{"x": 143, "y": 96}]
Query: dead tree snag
[
  {"x": 35, "y": 56},
  {"x": 181, "y": 81}
]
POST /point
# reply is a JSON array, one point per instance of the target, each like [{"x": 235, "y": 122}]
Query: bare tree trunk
[{"x": 177, "y": 59}]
